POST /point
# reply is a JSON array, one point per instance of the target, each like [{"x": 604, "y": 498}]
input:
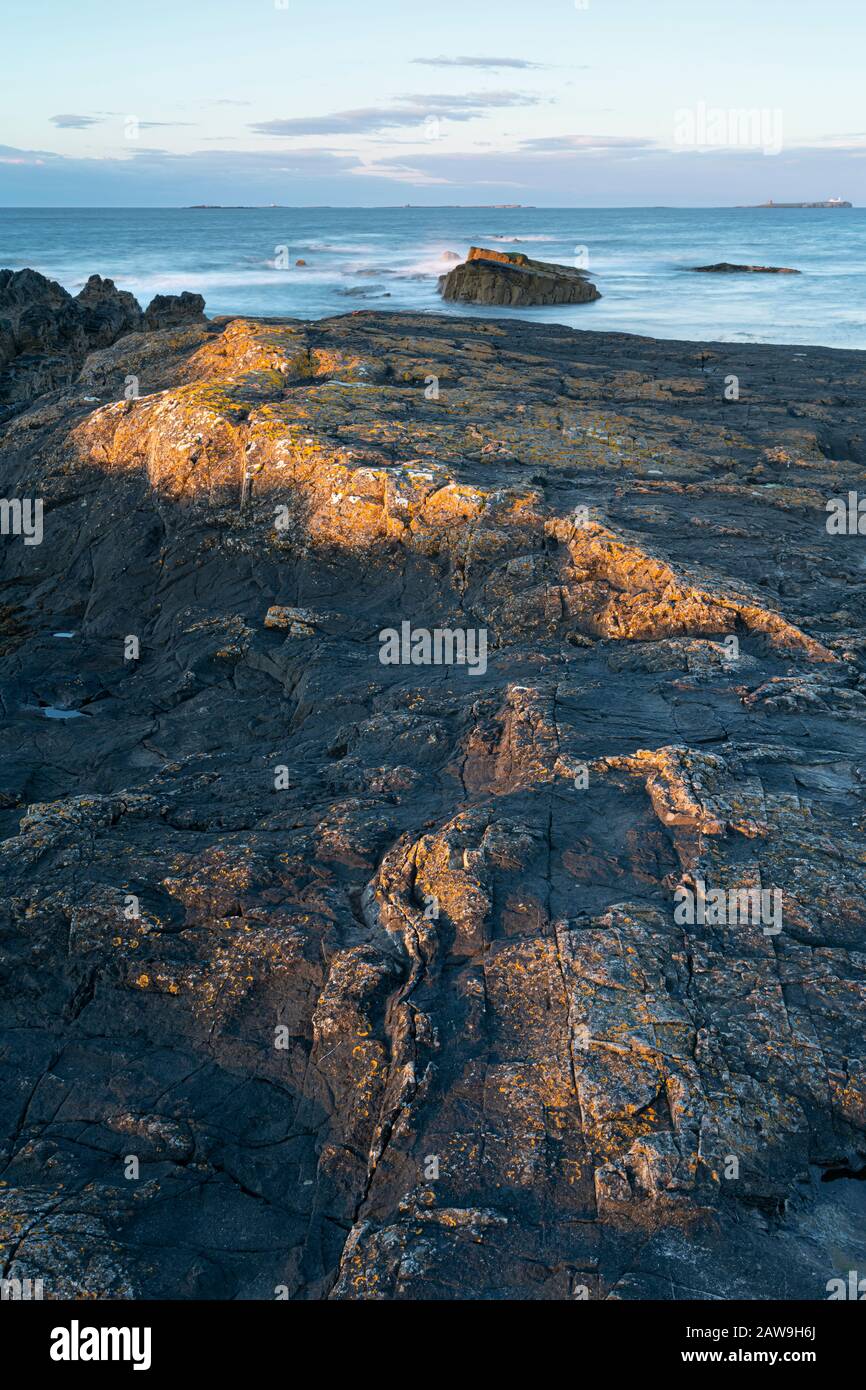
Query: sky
[{"x": 556, "y": 103}]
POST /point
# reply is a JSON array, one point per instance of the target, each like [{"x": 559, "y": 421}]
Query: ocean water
[{"x": 390, "y": 258}]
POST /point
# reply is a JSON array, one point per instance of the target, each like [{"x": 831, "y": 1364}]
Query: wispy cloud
[
  {"x": 474, "y": 103},
  {"x": 164, "y": 125},
  {"x": 69, "y": 121},
  {"x": 408, "y": 111},
  {"x": 854, "y": 142},
  {"x": 357, "y": 122},
  {"x": 27, "y": 158},
  {"x": 399, "y": 173},
  {"x": 583, "y": 144},
  {"x": 490, "y": 63}
]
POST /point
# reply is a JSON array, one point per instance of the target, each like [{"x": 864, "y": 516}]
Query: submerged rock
[
  {"x": 510, "y": 278},
  {"x": 726, "y": 268}
]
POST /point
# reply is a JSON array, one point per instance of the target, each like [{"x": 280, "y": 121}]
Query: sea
[{"x": 244, "y": 261}]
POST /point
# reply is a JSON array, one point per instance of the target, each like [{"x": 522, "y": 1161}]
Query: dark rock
[
  {"x": 107, "y": 312},
  {"x": 510, "y": 278},
  {"x": 726, "y": 268},
  {"x": 363, "y": 292},
  {"x": 36, "y": 315},
  {"x": 46, "y": 333},
  {"x": 173, "y": 310}
]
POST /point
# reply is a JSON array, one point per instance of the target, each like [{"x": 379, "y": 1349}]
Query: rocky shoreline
[{"x": 333, "y": 970}]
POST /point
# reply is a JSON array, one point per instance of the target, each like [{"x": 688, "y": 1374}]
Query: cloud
[
  {"x": 852, "y": 142},
  {"x": 584, "y": 144},
  {"x": 599, "y": 171},
  {"x": 27, "y": 158},
  {"x": 73, "y": 122},
  {"x": 357, "y": 122},
  {"x": 164, "y": 125},
  {"x": 523, "y": 63},
  {"x": 475, "y": 103},
  {"x": 135, "y": 161},
  {"x": 399, "y": 173},
  {"x": 409, "y": 111}
]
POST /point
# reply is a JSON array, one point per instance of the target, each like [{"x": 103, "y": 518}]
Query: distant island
[
  {"x": 437, "y": 207},
  {"x": 422, "y": 207},
  {"x": 828, "y": 203}
]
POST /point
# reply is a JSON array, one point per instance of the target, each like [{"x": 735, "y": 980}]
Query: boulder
[
  {"x": 512, "y": 279},
  {"x": 36, "y": 316},
  {"x": 171, "y": 310},
  {"x": 107, "y": 312}
]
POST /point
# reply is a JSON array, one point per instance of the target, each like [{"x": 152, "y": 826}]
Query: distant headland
[{"x": 827, "y": 203}]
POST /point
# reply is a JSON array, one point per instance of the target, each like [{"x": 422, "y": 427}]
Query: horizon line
[{"x": 414, "y": 207}]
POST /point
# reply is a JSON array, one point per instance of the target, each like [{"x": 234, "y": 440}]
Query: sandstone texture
[
  {"x": 512, "y": 279},
  {"x": 374, "y": 969}
]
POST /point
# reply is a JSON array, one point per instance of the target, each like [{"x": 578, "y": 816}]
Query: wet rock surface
[
  {"x": 328, "y": 978},
  {"x": 510, "y": 278}
]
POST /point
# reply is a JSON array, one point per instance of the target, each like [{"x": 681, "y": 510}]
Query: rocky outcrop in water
[
  {"x": 510, "y": 278},
  {"x": 333, "y": 966},
  {"x": 727, "y": 268}
]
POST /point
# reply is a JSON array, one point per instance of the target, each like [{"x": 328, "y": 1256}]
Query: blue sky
[{"x": 554, "y": 103}]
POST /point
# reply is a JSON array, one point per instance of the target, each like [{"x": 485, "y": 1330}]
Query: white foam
[{"x": 493, "y": 237}]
